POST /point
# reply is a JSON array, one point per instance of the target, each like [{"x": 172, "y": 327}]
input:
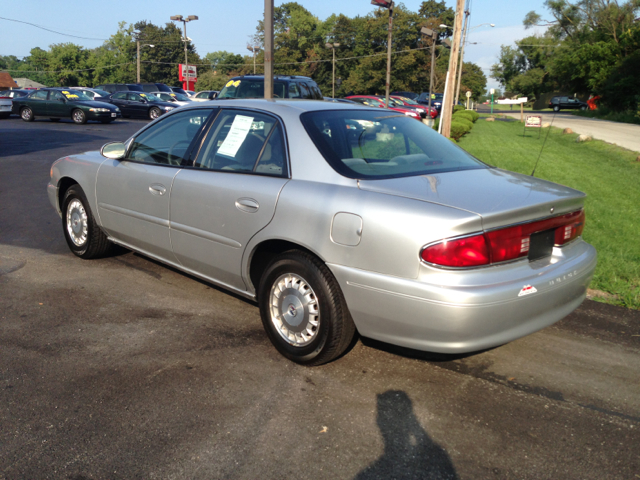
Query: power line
[{"x": 49, "y": 30}]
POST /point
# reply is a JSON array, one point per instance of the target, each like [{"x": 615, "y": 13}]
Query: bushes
[
  {"x": 458, "y": 128},
  {"x": 465, "y": 115},
  {"x": 458, "y": 108},
  {"x": 464, "y": 121}
]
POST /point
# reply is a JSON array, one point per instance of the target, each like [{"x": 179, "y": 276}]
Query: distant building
[
  {"x": 6, "y": 81},
  {"x": 27, "y": 83}
]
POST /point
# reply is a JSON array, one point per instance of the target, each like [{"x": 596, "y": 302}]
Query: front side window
[
  {"x": 168, "y": 141},
  {"x": 244, "y": 141},
  {"x": 373, "y": 144},
  {"x": 202, "y": 95},
  {"x": 294, "y": 91}
]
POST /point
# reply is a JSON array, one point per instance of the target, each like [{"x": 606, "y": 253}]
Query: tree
[{"x": 224, "y": 62}]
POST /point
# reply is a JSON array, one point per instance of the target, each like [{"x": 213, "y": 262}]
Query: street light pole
[
  {"x": 138, "y": 58},
  {"x": 184, "y": 21},
  {"x": 387, "y": 4},
  {"x": 333, "y": 47},
  {"x": 434, "y": 38}
]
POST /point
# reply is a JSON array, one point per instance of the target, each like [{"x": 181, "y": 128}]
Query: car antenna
[{"x": 545, "y": 141}]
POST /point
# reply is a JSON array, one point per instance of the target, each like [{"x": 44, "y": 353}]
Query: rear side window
[
  {"x": 40, "y": 95},
  {"x": 304, "y": 90},
  {"x": 168, "y": 141},
  {"x": 373, "y": 144},
  {"x": 244, "y": 141},
  {"x": 119, "y": 96}
]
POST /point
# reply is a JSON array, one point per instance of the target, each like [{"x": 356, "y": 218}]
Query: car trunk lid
[{"x": 498, "y": 196}]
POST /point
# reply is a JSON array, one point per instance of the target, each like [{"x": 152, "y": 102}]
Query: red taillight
[
  {"x": 458, "y": 252},
  {"x": 502, "y": 245}
]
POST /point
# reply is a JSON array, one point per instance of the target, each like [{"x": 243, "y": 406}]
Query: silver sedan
[{"x": 335, "y": 219}]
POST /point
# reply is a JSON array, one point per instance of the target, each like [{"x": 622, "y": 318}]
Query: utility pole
[
  {"x": 464, "y": 39},
  {"x": 255, "y": 49},
  {"x": 138, "y": 58},
  {"x": 447, "y": 104},
  {"x": 333, "y": 47},
  {"x": 268, "y": 49}
]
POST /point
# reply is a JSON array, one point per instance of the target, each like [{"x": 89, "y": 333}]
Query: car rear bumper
[{"x": 467, "y": 315}]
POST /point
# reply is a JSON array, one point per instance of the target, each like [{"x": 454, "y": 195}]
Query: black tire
[
  {"x": 583, "y": 108},
  {"x": 335, "y": 328},
  {"x": 154, "y": 113},
  {"x": 556, "y": 108},
  {"x": 27, "y": 114},
  {"x": 79, "y": 117},
  {"x": 88, "y": 240},
  {"x": 54, "y": 119}
]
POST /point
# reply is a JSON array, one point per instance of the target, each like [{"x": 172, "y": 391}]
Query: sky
[{"x": 228, "y": 24}]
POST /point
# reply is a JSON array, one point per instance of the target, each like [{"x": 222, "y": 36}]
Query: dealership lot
[{"x": 124, "y": 368}]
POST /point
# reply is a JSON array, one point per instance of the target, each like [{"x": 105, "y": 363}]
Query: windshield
[
  {"x": 151, "y": 98},
  {"x": 102, "y": 93},
  {"x": 408, "y": 101},
  {"x": 373, "y": 144},
  {"x": 250, "y": 88},
  {"x": 180, "y": 97},
  {"x": 75, "y": 95}
]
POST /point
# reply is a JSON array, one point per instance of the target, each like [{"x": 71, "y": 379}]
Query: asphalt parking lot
[{"x": 122, "y": 368}]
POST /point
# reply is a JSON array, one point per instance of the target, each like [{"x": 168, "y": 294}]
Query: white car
[
  {"x": 176, "y": 98},
  {"x": 5, "y": 106}
]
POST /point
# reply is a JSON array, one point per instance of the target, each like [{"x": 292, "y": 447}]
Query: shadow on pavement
[{"x": 409, "y": 452}]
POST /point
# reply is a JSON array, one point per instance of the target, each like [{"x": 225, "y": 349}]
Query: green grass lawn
[{"x": 608, "y": 174}]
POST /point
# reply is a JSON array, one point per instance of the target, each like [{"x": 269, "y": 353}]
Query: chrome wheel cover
[
  {"x": 294, "y": 309},
  {"x": 26, "y": 113},
  {"x": 77, "y": 222},
  {"x": 154, "y": 113},
  {"x": 78, "y": 116}
]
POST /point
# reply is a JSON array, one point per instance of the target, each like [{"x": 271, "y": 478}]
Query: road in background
[
  {"x": 625, "y": 135},
  {"x": 123, "y": 368}
]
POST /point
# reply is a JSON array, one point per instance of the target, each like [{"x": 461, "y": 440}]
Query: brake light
[
  {"x": 501, "y": 245},
  {"x": 458, "y": 252}
]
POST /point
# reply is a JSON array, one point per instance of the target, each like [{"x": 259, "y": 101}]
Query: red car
[
  {"x": 413, "y": 104},
  {"x": 373, "y": 101}
]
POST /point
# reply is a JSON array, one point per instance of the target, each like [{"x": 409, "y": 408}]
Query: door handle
[
  {"x": 157, "y": 189},
  {"x": 248, "y": 205}
]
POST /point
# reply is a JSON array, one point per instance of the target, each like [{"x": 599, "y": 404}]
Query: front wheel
[
  {"x": 82, "y": 233},
  {"x": 27, "y": 114},
  {"x": 583, "y": 108},
  {"x": 556, "y": 108},
  {"x": 79, "y": 117},
  {"x": 303, "y": 310},
  {"x": 154, "y": 113}
]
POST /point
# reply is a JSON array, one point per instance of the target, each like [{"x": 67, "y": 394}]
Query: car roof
[{"x": 281, "y": 107}]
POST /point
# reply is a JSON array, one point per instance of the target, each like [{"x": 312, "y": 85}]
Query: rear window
[
  {"x": 375, "y": 145},
  {"x": 250, "y": 88}
]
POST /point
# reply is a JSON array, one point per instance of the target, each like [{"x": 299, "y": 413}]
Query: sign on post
[
  {"x": 533, "y": 121},
  {"x": 188, "y": 75}
]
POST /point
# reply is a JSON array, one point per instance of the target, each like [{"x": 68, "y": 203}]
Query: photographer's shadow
[{"x": 409, "y": 452}]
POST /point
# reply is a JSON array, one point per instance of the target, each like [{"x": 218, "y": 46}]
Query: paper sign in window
[{"x": 238, "y": 132}]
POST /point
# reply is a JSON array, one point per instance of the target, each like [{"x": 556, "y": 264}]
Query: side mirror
[{"x": 113, "y": 150}]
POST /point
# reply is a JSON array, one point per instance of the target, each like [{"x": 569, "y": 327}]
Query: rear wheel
[
  {"x": 154, "y": 113},
  {"x": 78, "y": 116},
  {"x": 303, "y": 310},
  {"x": 556, "y": 108},
  {"x": 583, "y": 108},
  {"x": 82, "y": 233},
  {"x": 27, "y": 114}
]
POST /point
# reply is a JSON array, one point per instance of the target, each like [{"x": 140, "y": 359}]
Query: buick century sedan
[{"x": 337, "y": 219}]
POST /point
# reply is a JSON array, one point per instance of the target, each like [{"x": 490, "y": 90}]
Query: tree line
[
  {"x": 299, "y": 49},
  {"x": 590, "y": 47}
]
